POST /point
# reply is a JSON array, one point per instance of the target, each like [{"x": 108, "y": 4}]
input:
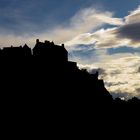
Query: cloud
[
  {"x": 131, "y": 28},
  {"x": 103, "y": 38},
  {"x": 85, "y": 20},
  {"x": 133, "y": 17},
  {"x": 126, "y": 33},
  {"x": 130, "y": 32},
  {"x": 85, "y": 27},
  {"x": 120, "y": 73}
]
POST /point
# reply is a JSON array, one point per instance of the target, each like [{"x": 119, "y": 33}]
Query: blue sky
[{"x": 99, "y": 34}]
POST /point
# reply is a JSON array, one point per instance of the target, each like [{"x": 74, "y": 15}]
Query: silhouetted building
[
  {"x": 49, "y": 51},
  {"x": 12, "y": 52},
  {"x": 15, "y": 52},
  {"x": 26, "y": 50}
]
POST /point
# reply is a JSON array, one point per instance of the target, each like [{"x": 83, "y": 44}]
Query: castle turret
[
  {"x": 63, "y": 45},
  {"x": 37, "y": 40}
]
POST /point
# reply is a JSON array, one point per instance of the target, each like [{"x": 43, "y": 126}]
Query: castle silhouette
[
  {"x": 46, "y": 49},
  {"x": 42, "y": 83}
]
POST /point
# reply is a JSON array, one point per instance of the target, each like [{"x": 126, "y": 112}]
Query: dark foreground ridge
[{"x": 41, "y": 84}]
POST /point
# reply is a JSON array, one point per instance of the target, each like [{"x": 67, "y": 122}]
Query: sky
[{"x": 100, "y": 35}]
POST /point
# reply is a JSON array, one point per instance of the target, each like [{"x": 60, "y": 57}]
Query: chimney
[
  {"x": 62, "y": 45},
  {"x": 37, "y": 40}
]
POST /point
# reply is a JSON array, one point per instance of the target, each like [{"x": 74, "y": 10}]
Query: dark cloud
[
  {"x": 109, "y": 84},
  {"x": 130, "y": 31},
  {"x": 139, "y": 69},
  {"x": 100, "y": 70},
  {"x": 138, "y": 90},
  {"x": 119, "y": 94}
]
